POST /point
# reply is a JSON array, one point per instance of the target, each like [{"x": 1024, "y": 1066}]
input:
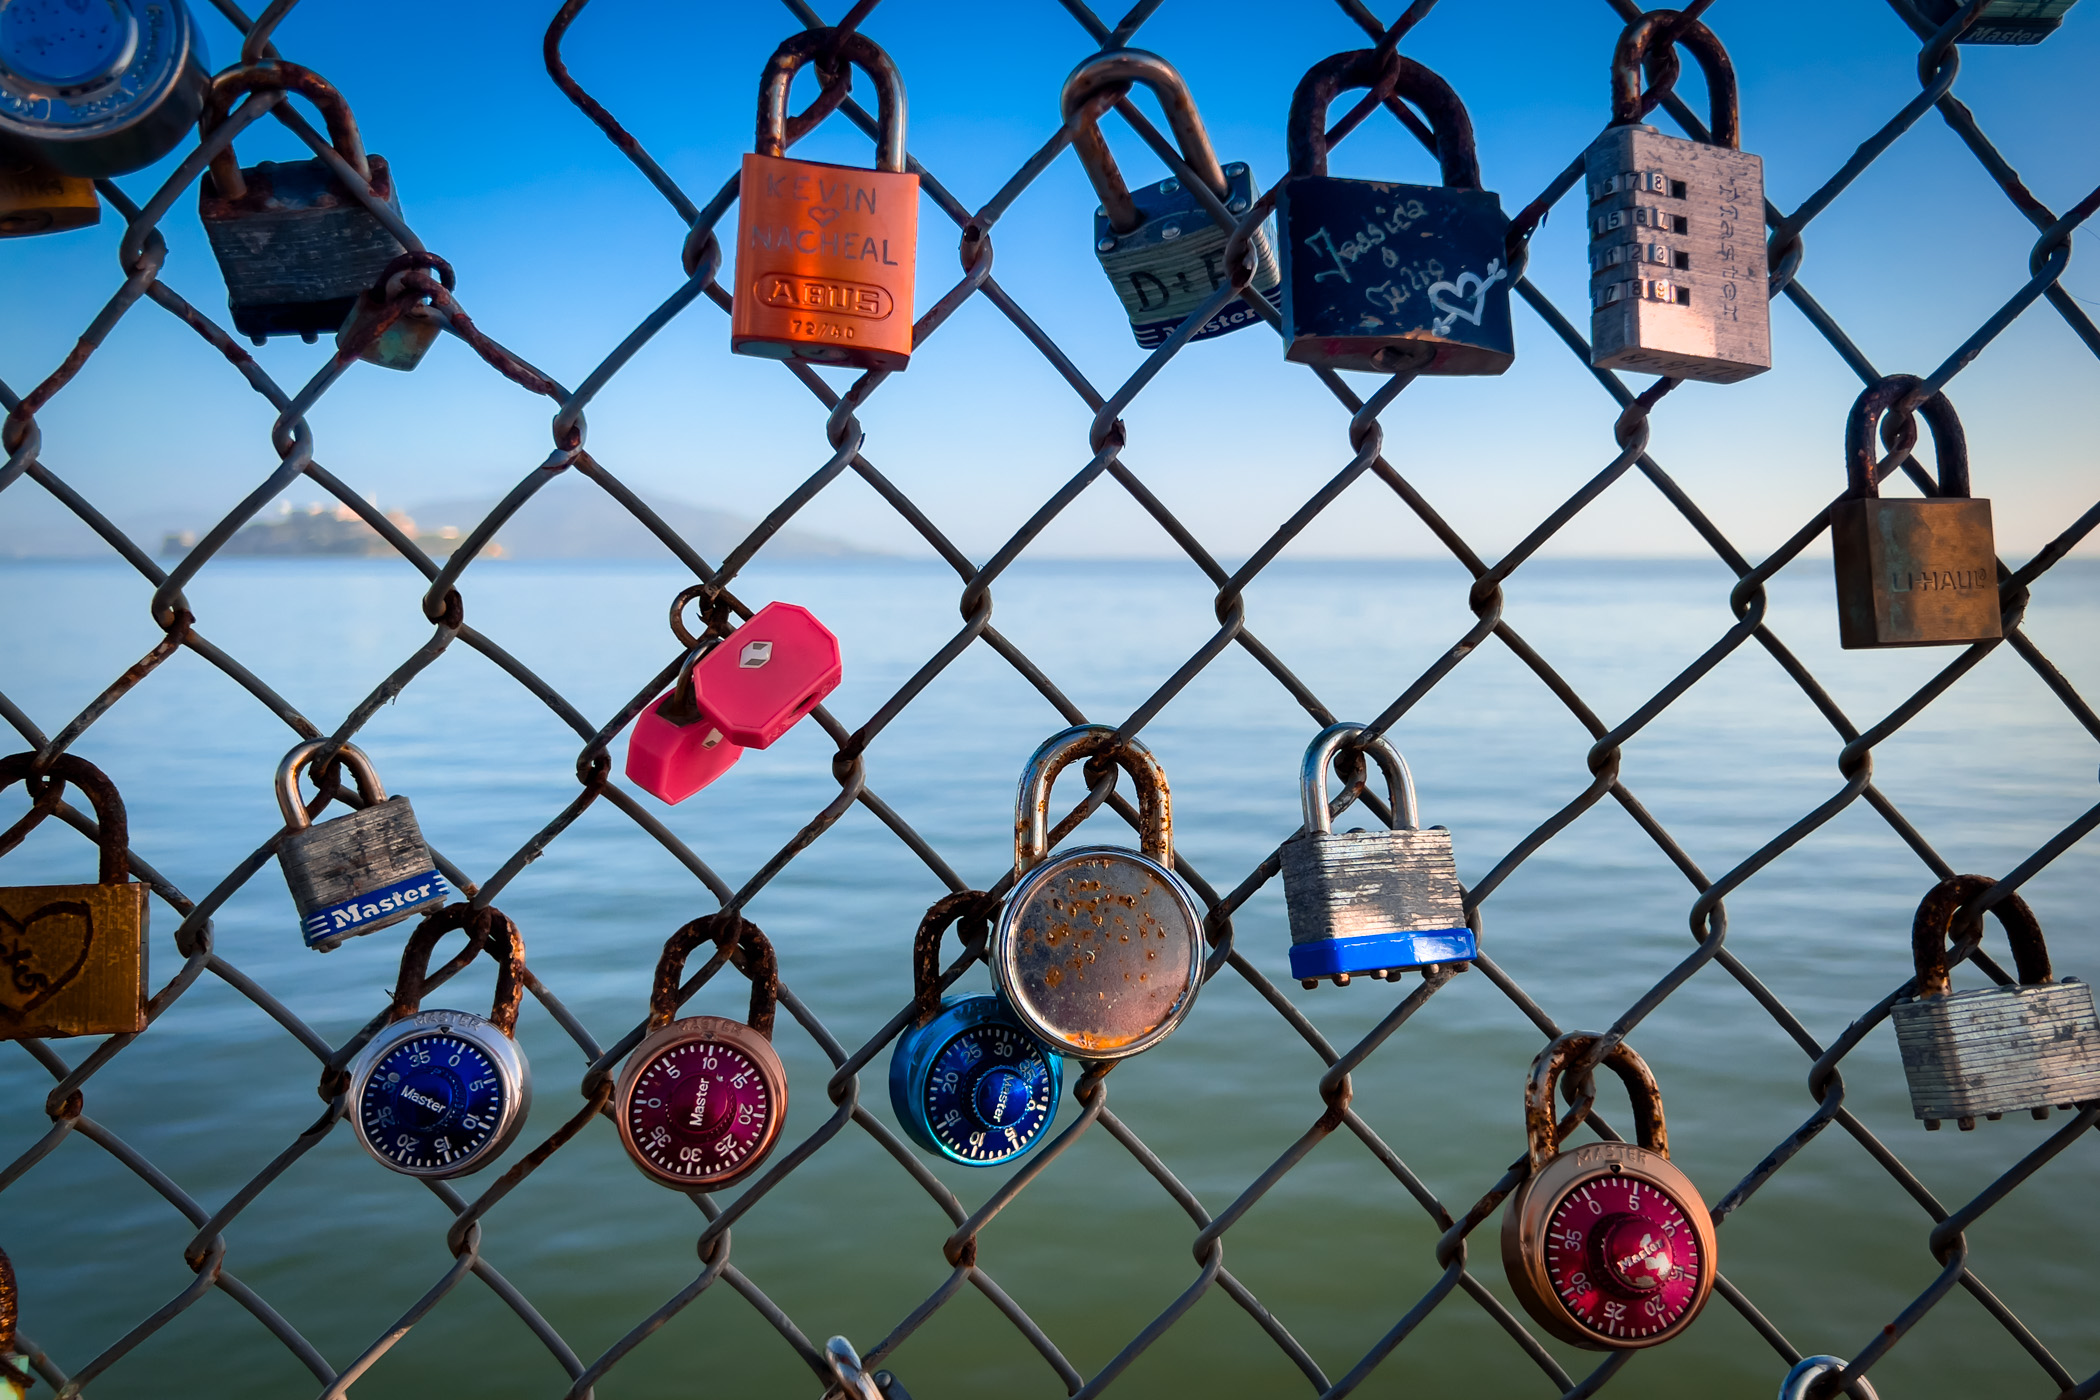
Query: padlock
[
  {"x": 15, "y": 1377},
  {"x": 851, "y": 1380},
  {"x": 1359, "y": 901},
  {"x": 72, "y": 957},
  {"x": 967, "y": 1081},
  {"x": 442, "y": 1093},
  {"x": 36, "y": 199},
  {"x": 742, "y": 692},
  {"x": 825, "y": 252},
  {"x": 1161, "y": 249},
  {"x": 2002, "y": 21},
  {"x": 408, "y": 337},
  {"x": 1995, "y": 1050},
  {"x": 357, "y": 873},
  {"x": 1382, "y": 276},
  {"x": 99, "y": 87},
  {"x": 702, "y": 1099},
  {"x": 1606, "y": 1245},
  {"x": 295, "y": 246},
  {"x": 1099, "y": 949},
  {"x": 1912, "y": 573},
  {"x": 1677, "y": 248},
  {"x": 1809, "y": 1369}
]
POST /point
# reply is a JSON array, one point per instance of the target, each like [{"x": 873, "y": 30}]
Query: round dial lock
[
  {"x": 99, "y": 87},
  {"x": 1622, "y": 1257},
  {"x": 972, "y": 1085},
  {"x": 440, "y": 1094},
  {"x": 701, "y": 1102}
]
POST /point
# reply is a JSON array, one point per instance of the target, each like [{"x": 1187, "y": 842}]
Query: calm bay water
[{"x": 1830, "y": 1250}]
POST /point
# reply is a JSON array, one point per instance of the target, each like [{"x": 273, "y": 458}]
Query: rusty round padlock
[
  {"x": 1607, "y": 1245},
  {"x": 825, "y": 252}
]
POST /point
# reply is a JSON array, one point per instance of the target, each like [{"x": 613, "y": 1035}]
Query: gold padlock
[
  {"x": 72, "y": 957},
  {"x": 36, "y": 200},
  {"x": 824, "y": 252}
]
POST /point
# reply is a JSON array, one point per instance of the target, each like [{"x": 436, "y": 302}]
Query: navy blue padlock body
[
  {"x": 1388, "y": 277},
  {"x": 972, "y": 1085}
]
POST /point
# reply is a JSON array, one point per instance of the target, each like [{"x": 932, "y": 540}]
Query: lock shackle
[
  {"x": 1636, "y": 48},
  {"x": 1113, "y": 72},
  {"x": 1950, "y": 443},
  {"x": 971, "y": 913},
  {"x": 1306, "y": 134},
  {"x": 277, "y": 76},
  {"x": 1399, "y": 782},
  {"x": 750, "y": 951},
  {"x": 1809, "y": 1368},
  {"x": 295, "y": 818},
  {"x": 113, "y": 828},
  {"x": 1031, "y": 811},
  {"x": 482, "y": 927},
  {"x": 1933, "y": 930},
  {"x": 855, "y": 48},
  {"x": 1540, "y": 1124}
]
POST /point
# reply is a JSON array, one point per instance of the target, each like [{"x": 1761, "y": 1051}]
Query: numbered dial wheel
[
  {"x": 440, "y": 1098},
  {"x": 972, "y": 1085},
  {"x": 701, "y": 1102}
]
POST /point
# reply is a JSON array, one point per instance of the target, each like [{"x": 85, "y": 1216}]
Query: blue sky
[{"x": 561, "y": 247}]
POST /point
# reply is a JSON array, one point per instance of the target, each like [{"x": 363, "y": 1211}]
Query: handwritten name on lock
[
  {"x": 825, "y": 201},
  {"x": 1463, "y": 298}
]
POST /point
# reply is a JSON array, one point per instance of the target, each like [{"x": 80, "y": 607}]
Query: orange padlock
[{"x": 824, "y": 252}]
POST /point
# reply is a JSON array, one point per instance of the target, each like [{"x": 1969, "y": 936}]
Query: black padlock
[
  {"x": 296, "y": 247},
  {"x": 1391, "y": 277}
]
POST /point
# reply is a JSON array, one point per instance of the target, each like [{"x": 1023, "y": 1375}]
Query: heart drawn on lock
[
  {"x": 42, "y": 954},
  {"x": 1450, "y": 297},
  {"x": 822, "y": 214}
]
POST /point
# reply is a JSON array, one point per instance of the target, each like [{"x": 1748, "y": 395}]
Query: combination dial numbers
[
  {"x": 432, "y": 1104},
  {"x": 701, "y": 1113},
  {"x": 988, "y": 1094},
  {"x": 1622, "y": 1258}
]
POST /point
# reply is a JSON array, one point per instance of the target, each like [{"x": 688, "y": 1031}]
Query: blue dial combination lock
[
  {"x": 442, "y": 1093},
  {"x": 966, "y": 1080}
]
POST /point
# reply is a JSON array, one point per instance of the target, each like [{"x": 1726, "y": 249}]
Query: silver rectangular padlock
[
  {"x": 1174, "y": 261},
  {"x": 355, "y": 873},
  {"x": 1997, "y": 1050},
  {"x": 1370, "y": 901},
  {"x": 1678, "y": 281}
]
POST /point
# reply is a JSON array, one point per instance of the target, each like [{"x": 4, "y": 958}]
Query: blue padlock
[
  {"x": 966, "y": 1080},
  {"x": 1389, "y": 277}
]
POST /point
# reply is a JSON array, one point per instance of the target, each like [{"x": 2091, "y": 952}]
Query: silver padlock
[
  {"x": 357, "y": 873},
  {"x": 99, "y": 87},
  {"x": 1995, "y": 1050},
  {"x": 1162, "y": 251},
  {"x": 1099, "y": 949},
  {"x": 1809, "y": 1368},
  {"x": 1677, "y": 228},
  {"x": 1361, "y": 901}
]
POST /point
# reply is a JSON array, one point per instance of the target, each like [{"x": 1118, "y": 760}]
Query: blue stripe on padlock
[
  {"x": 1379, "y": 951},
  {"x": 336, "y": 920}
]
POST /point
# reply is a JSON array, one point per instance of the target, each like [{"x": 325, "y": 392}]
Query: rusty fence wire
[{"x": 1459, "y": 1250}]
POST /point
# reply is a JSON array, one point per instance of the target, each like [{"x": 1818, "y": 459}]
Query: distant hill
[{"x": 573, "y": 518}]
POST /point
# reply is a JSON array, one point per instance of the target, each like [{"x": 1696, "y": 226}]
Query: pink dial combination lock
[{"x": 744, "y": 692}]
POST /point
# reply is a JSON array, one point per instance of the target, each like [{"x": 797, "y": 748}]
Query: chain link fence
[{"x": 479, "y": 1207}]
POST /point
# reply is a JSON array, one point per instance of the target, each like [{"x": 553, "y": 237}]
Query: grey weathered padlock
[
  {"x": 2002, "y": 21},
  {"x": 1911, "y": 572},
  {"x": 357, "y": 873},
  {"x": 1370, "y": 901},
  {"x": 1996, "y": 1050},
  {"x": 1099, "y": 949},
  {"x": 1161, "y": 250},
  {"x": 98, "y": 87},
  {"x": 295, "y": 246},
  {"x": 1677, "y": 248}
]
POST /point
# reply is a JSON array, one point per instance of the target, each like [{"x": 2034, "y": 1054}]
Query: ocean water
[{"x": 1830, "y": 1250}]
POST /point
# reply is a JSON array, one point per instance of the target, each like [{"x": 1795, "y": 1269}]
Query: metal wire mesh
[{"x": 1458, "y": 1282}]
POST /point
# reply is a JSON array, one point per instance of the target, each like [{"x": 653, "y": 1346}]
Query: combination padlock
[
  {"x": 967, "y": 1081},
  {"x": 1161, "y": 250},
  {"x": 1997, "y": 1050},
  {"x": 1810, "y": 1369},
  {"x": 1912, "y": 573},
  {"x": 442, "y": 1093},
  {"x": 743, "y": 691},
  {"x": 702, "y": 1099},
  {"x": 1381, "y": 902},
  {"x": 1390, "y": 277},
  {"x": 72, "y": 957},
  {"x": 37, "y": 199},
  {"x": 1677, "y": 249},
  {"x": 825, "y": 252},
  {"x": 98, "y": 87},
  {"x": 356, "y": 873},
  {"x": 1606, "y": 1245},
  {"x": 2003, "y": 21},
  {"x": 15, "y": 1377},
  {"x": 295, "y": 246},
  {"x": 1099, "y": 949}
]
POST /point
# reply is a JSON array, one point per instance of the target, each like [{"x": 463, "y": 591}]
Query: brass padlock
[
  {"x": 99, "y": 87},
  {"x": 34, "y": 199},
  {"x": 825, "y": 252},
  {"x": 1912, "y": 573},
  {"x": 72, "y": 957},
  {"x": 295, "y": 246}
]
